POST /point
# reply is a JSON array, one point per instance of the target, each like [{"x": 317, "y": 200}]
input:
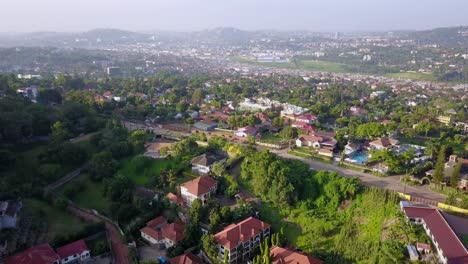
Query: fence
[{"x": 442, "y": 206}]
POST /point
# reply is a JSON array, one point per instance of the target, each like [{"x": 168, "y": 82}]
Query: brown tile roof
[
  {"x": 40, "y": 254},
  {"x": 384, "y": 142},
  {"x": 174, "y": 231},
  {"x": 200, "y": 185},
  {"x": 234, "y": 234},
  {"x": 186, "y": 259},
  {"x": 448, "y": 241},
  {"x": 156, "y": 222},
  {"x": 287, "y": 256},
  {"x": 155, "y": 234},
  {"x": 77, "y": 247},
  {"x": 175, "y": 199}
]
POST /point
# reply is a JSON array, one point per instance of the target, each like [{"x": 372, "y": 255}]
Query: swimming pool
[{"x": 359, "y": 157}]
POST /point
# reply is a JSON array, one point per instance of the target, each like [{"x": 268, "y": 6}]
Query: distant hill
[{"x": 447, "y": 37}]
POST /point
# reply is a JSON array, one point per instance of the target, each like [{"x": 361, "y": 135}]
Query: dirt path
[{"x": 119, "y": 248}]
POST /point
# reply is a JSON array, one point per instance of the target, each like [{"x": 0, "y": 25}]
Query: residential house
[
  {"x": 8, "y": 213},
  {"x": 40, "y": 254},
  {"x": 240, "y": 240},
  {"x": 162, "y": 234},
  {"x": 317, "y": 140},
  {"x": 108, "y": 95},
  {"x": 303, "y": 126},
  {"x": 384, "y": 143},
  {"x": 200, "y": 188},
  {"x": 281, "y": 255},
  {"x": 142, "y": 96},
  {"x": 448, "y": 169},
  {"x": 448, "y": 246},
  {"x": 351, "y": 148},
  {"x": 247, "y": 131},
  {"x": 307, "y": 118},
  {"x": 76, "y": 252},
  {"x": 202, "y": 164},
  {"x": 188, "y": 258},
  {"x": 205, "y": 125},
  {"x": 145, "y": 194},
  {"x": 446, "y": 120},
  {"x": 177, "y": 200}
]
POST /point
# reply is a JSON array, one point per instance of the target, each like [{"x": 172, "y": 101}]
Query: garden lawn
[
  {"x": 90, "y": 195},
  {"x": 141, "y": 176},
  {"x": 59, "y": 221},
  {"x": 412, "y": 76}
]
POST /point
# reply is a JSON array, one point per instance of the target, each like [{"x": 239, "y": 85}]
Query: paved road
[{"x": 390, "y": 182}]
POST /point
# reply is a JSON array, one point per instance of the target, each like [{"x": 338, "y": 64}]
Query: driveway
[{"x": 150, "y": 253}]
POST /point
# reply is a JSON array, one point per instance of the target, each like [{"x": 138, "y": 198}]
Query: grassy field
[
  {"x": 150, "y": 168},
  {"x": 59, "y": 222},
  {"x": 90, "y": 194},
  {"x": 313, "y": 65},
  {"x": 412, "y": 75},
  {"x": 326, "y": 66}
]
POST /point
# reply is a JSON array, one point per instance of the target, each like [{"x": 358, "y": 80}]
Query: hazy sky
[{"x": 183, "y": 15}]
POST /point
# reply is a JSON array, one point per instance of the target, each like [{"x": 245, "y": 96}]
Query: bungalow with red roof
[
  {"x": 448, "y": 246},
  {"x": 240, "y": 240},
  {"x": 188, "y": 258},
  {"x": 159, "y": 233},
  {"x": 246, "y": 132},
  {"x": 306, "y": 118},
  {"x": 76, "y": 252},
  {"x": 200, "y": 188},
  {"x": 384, "y": 143},
  {"x": 303, "y": 126},
  {"x": 281, "y": 255},
  {"x": 40, "y": 254}
]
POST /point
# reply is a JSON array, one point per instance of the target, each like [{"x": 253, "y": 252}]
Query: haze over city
[{"x": 190, "y": 15}]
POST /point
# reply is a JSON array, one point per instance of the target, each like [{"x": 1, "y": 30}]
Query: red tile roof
[
  {"x": 174, "y": 231},
  {"x": 77, "y": 247},
  {"x": 175, "y": 199},
  {"x": 448, "y": 241},
  {"x": 234, "y": 234},
  {"x": 40, "y": 254},
  {"x": 200, "y": 185},
  {"x": 186, "y": 259},
  {"x": 156, "y": 222},
  {"x": 287, "y": 256},
  {"x": 151, "y": 232}
]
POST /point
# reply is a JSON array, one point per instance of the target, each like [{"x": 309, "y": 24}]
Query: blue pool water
[{"x": 360, "y": 157}]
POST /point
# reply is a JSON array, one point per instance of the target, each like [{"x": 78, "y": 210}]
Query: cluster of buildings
[{"x": 73, "y": 253}]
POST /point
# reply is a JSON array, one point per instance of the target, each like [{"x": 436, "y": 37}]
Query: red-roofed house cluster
[
  {"x": 76, "y": 252},
  {"x": 160, "y": 233},
  {"x": 448, "y": 246}
]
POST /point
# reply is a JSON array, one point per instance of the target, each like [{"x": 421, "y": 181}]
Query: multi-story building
[
  {"x": 448, "y": 246},
  {"x": 200, "y": 188},
  {"x": 240, "y": 240}
]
